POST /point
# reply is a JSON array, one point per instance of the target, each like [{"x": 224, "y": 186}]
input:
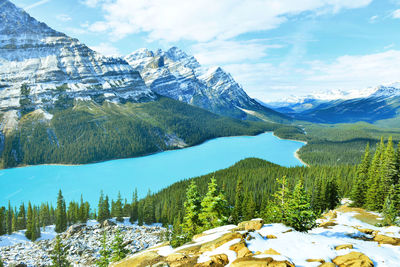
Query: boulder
[
  {"x": 346, "y": 246},
  {"x": 73, "y": 229},
  {"x": 271, "y": 237},
  {"x": 140, "y": 260},
  {"x": 384, "y": 239},
  {"x": 218, "y": 260},
  {"x": 316, "y": 260},
  {"x": 327, "y": 224},
  {"x": 327, "y": 264},
  {"x": 260, "y": 262},
  {"x": 366, "y": 231},
  {"x": 209, "y": 246},
  {"x": 353, "y": 259},
  {"x": 241, "y": 249},
  {"x": 252, "y": 225},
  {"x": 271, "y": 252},
  {"x": 107, "y": 223}
]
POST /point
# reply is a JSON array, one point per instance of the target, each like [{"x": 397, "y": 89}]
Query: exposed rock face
[
  {"x": 39, "y": 65},
  {"x": 353, "y": 259},
  {"x": 83, "y": 244},
  {"x": 175, "y": 74},
  {"x": 252, "y": 225},
  {"x": 261, "y": 262}
]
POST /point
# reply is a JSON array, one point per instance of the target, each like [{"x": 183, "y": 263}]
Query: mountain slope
[
  {"x": 175, "y": 74},
  {"x": 39, "y": 65},
  {"x": 379, "y": 103}
]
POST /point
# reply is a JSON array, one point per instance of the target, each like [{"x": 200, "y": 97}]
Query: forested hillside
[{"x": 86, "y": 131}]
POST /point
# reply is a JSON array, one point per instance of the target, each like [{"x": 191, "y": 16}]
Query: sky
[{"x": 273, "y": 48}]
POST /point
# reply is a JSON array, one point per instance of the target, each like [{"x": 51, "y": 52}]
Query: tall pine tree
[
  {"x": 61, "y": 214},
  {"x": 191, "y": 223}
]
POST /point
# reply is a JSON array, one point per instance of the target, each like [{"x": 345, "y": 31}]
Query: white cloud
[
  {"x": 205, "y": 20},
  {"x": 38, "y": 3},
  {"x": 91, "y": 3},
  {"x": 224, "y": 52},
  {"x": 396, "y": 14},
  {"x": 106, "y": 49},
  {"x": 64, "y": 17},
  {"x": 373, "y": 19}
]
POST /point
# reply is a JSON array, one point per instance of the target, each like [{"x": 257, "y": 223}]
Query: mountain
[
  {"x": 39, "y": 66},
  {"x": 61, "y": 102},
  {"x": 381, "y": 103},
  {"x": 175, "y": 74}
]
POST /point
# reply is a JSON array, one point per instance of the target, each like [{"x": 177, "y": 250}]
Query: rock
[
  {"x": 271, "y": 252},
  {"x": 316, "y": 260},
  {"x": 107, "y": 223},
  {"x": 252, "y": 225},
  {"x": 260, "y": 262},
  {"x": 219, "y": 241},
  {"x": 327, "y": 224},
  {"x": 73, "y": 229},
  {"x": 353, "y": 259},
  {"x": 241, "y": 249},
  {"x": 332, "y": 214},
  {"x": 271, "y": 237},
  {"x": 218, "y": 260},
  {"x": 327, "y": 264},
  {"x": 384, "y": 239},
  {"x": 175, "y": 257},
  {"x": 346, "y": 246},
  {"x": 366, "y": 231},
  {"x": 143, "y": 259}
]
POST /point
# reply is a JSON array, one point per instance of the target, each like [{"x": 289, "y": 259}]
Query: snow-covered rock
[
  {"x": 175, "y": 74},
  {"x": 53, "y": 64},
  {"x": 83, "y": 242}
]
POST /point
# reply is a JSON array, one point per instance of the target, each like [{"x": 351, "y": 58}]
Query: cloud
[
  {"x": 91, "y": 3},
  {"x": 225, "y": 52},
  {"x": 106, "y": 49},
  {"x": 64, "y": 17},
  {"x": 206, "y": 20},
  {"x": 396, "y": 14},
  {"x": 38, "y": 3},
  {"x": 373, "y": 19}
]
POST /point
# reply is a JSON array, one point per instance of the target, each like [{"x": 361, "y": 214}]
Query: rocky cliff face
[
  {"x": 175, "y": 74},
  {"x": 38, "y": 65}
]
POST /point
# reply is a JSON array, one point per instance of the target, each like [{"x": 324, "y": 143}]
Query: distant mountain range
[{"x": 369, "y": 105}]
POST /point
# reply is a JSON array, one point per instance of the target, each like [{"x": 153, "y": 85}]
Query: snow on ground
[{"x": 19, "y": 237}]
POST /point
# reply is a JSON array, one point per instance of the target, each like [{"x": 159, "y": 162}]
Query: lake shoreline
[{"x": 296, "y": 153}]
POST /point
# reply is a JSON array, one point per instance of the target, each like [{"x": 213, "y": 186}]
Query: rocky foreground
[
  {"x": 342, "y": 239},
  {"x": 83, "y": 242}
]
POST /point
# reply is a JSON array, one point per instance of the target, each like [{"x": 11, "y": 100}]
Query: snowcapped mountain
[
  {"x": 371, "y": 104},
  {"x": 175, "y": 74},
  {"x": 39, "y": 64}
]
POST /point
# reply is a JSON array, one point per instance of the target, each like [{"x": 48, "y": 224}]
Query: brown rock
[
  {"x": 107, "y": 223},
  {"x": 219, "y": 260},
  {"x": 260, "y": 262},
  {"x": 241, "y": 249},
  {"x": 271, "y": 252},
  {"x": 346, "y": 246},
  {"x": 327, "y": 264},
  {"x": 366, "y": 231},
  {"x": 384, "y": 239},
  {"x": 271, "y": 237},
  {"x": 219, "y": 242},
  {"x": 316, "y": 260},
  {"x": 140, "y": 260},
  {"x": 252, "y": 225},
  {"x": 327, "y": 224},
  {"x": 353, "y": 259},
  {"x": 175, "y": 257}
]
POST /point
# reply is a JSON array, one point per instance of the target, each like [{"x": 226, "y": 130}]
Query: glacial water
[{"x": 41, "y": 183}]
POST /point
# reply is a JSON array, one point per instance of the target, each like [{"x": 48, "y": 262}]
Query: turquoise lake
[{"x": 41, "y": 183}]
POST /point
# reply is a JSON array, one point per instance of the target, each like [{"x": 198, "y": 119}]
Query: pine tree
[
  {"x": 118, "y": 211},
  {"x": 372, "y": 200},
  {"x": 389, "y": 171},
  {"x": 105, "y": 253},
  {"x": 29, "y": 233},
  {"x": 134, "y": 207},
  {"x": 102, "y": 214},
  {"x": 390, "y": 210},
  {"x": 118, "y": 250},
  {"x": 249, "y": 206},
  {"x": 148, "y": 209},
  {"x": 59, "y": 254},
  {"x": 281, "y": 198},
  {"x": 358, "y": 193},
  {"x": 237, "y": 209},
  {"x": 191, "y": 223},
  {"x": 213, "y": 207},
  {"x": 2, "y": 220},
  {"x": 300, "y": 213},
  {"x": 61, "y": 214},
  {"x": 332, "y": 194},
  {"x": 9, "y": 219}
]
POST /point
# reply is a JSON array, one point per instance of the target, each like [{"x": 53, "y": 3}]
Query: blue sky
[{"x": 273, "y": 48}]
